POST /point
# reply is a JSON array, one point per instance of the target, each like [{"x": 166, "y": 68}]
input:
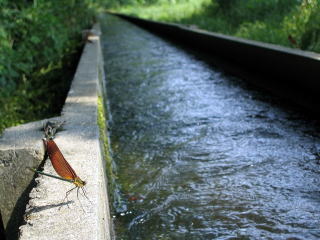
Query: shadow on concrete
[
  {"x": 46, "y": 207},
  {"x": 2, "y": 231},
  {"x": 18, "y": 212},
  {"x": 12, "y": 228}
]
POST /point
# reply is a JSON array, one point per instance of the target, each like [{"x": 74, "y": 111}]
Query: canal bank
[{"x": 47, "y": 215}]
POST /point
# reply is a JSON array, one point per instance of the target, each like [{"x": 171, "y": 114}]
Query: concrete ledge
[
  {"x": 19, "y": 148},
  {"x": 287, "y": 72},
  {"x": 46, "y": 215}
]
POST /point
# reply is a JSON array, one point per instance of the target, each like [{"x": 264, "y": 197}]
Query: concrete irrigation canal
[
  {"x": 200, "y": 154},
  {"x": 192, "y": 151}
]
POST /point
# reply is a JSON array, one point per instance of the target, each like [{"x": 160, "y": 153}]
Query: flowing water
[{"x": 200, "y": 155}]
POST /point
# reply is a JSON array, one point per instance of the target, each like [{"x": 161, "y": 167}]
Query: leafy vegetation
[
  {"x": 39, "y": 43},
  {"x": 292, "y": 23}
]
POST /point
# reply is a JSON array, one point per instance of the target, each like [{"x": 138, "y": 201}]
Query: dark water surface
[{"x": 198, "y": 154}]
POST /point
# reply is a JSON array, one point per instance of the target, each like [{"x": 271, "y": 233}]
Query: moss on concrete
[
  {"x": 105, "y": 143},
  {"x": 103, "y": 129}
]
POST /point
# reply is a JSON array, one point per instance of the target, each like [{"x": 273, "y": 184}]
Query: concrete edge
[
  {"x": 289, "y": 73},
  {"x": 47, "y": 215}
]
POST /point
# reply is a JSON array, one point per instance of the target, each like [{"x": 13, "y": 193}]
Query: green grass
[
  {"x": 271, "y": 21},
  {"x": 165, "y": 11}
]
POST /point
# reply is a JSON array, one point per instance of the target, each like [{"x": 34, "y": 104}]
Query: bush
[
  {"x": 260, "y": 30},
  {"x": 292, "y": 23},
  {"x": 36, "y": 38},
  {"x": 238, "y": 12},
  {"x": 303, "y": 25}
]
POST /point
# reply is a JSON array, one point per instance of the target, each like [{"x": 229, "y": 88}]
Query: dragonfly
[{"x": 62, "y": 167}]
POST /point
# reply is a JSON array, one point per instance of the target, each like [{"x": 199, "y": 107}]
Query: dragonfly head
[
  {"x": 78, "y": 182},
  {"x": 49, "y": 131},
  {"x": 50, "y": 128}
]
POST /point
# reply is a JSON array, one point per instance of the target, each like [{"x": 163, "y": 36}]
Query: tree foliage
[{"x": 35, "y": 38}]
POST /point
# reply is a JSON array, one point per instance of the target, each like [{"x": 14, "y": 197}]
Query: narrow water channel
[{"x": 200, "y": 155}]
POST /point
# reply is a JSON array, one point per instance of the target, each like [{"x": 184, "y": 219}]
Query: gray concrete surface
[{"x": 47, "y": 215}]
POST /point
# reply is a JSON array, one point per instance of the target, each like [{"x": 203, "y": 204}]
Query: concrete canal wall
[
  {"x": 290, "y": 73},
  {"x": 47, "y": 216}
]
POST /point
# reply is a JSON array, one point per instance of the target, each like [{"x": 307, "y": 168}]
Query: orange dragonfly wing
[{"x": 59, "y": 163}]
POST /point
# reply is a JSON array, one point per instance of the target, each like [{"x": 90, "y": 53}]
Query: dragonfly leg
[{"x": 66, "y": 197}]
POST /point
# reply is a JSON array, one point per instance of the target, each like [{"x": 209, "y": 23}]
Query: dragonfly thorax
[{"x": 78, "y": 182}]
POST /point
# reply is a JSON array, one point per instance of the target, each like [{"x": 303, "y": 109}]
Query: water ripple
[{"x": 202, "y": 155}]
